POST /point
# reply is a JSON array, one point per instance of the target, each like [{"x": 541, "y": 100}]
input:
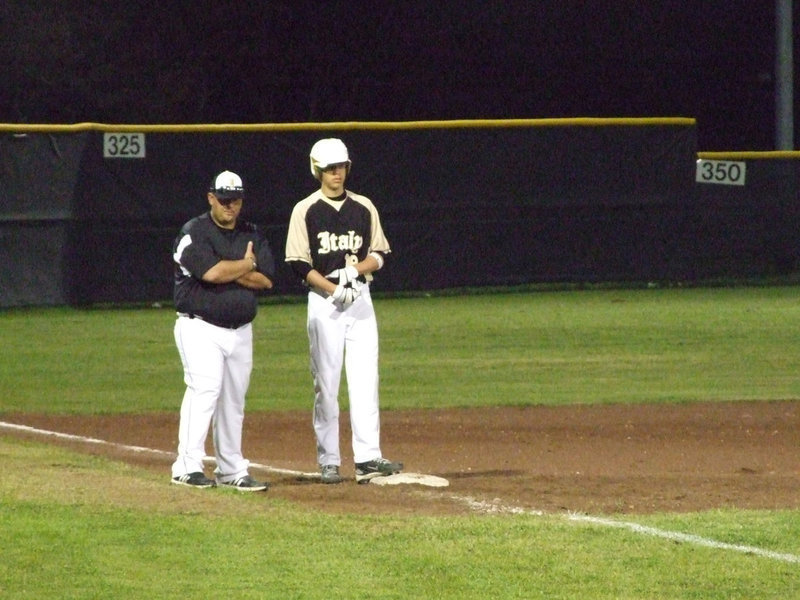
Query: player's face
[
  {"x": 333, "y": 179},
  {"x": 225, "y": 212}
]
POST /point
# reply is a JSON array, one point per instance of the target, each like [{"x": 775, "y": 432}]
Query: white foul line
[
  {"x": 675, "y": 536},
  {"x": 81, "y": 438},
  {"x": 687, "y": 538},
  {"x": 141, "y": 449},
  {"x": 476, "y": 505}
]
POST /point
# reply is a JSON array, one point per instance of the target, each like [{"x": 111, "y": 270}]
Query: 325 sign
[
  {"x": 724, "y": 172},
  {"x": 123, "y": 145}
]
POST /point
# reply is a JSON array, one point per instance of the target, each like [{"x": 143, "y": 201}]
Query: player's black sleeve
[{"x": 300, "y": 268}]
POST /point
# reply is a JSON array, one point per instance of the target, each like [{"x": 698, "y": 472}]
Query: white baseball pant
[
  {"x": 217, "y": 363},
  {"x": 346, "y": 336}
]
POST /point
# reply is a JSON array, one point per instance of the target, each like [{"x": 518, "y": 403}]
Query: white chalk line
[
  {"x": 141, "y": 449},
  {"x": 496, "y": 507},
  {"x": 686, "y": 538},
  {"x": 482, "y": 506}
]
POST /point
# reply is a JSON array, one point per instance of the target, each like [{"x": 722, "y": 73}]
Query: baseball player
[
  {"x": 334, "y": 244},
  {"x": 220, "y": 265}
]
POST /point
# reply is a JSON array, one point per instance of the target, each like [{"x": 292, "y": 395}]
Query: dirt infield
[{"x": 597, "y": 460}]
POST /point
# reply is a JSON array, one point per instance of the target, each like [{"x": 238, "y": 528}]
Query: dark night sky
[{"x": 284, "y": 61}]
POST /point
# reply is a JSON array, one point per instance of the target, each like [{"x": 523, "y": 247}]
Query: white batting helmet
[{"x": 327, "y": 152}]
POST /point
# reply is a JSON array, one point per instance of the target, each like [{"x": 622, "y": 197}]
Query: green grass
[
  {"x": 62, "y": 535},
  {"x": 60, "y": 538},
  {"x": 593, "y": 347},
  {"x": 551, "y": 348}
]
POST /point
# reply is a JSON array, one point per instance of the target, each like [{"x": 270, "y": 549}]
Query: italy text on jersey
[{"x": 334, "y": 242}]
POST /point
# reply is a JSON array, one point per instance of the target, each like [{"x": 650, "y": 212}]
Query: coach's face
[{"x": 225, "y": 211}]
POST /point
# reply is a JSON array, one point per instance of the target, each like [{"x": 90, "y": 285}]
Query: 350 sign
[{"x": 724, "y": 172}]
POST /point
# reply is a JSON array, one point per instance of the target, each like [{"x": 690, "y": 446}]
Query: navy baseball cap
[{"x": 227, "y": 186}]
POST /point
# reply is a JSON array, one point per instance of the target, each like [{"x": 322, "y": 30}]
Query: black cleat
[
  {"x": 196, "y": 480},
  {"x": 379, "y": 467}
]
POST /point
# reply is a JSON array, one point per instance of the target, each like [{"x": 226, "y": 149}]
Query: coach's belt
[{"x": 212, "y": 322}]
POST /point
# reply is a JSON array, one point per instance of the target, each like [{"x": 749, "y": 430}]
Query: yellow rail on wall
[
  {"x": 745, "y": 155},
  {"x": 349, "y": 125}
]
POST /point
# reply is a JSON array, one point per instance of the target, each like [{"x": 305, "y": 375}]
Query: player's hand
[
  {"x": 357, "y": 285},
  {"x": 347, "y": 275},
  {"x": 344, "y": 295}
]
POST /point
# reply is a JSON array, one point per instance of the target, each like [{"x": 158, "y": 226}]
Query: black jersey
[
  {"x": 325, "y": 233},
  {"x": 200, "y": 245}
]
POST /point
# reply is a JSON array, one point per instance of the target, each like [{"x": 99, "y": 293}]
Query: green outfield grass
[
  {"x": 78, "y": 526},
  {"x": 553, "y": 348}
]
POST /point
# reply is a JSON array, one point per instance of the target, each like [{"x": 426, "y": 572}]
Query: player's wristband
[{"x": 378, "y": 257}]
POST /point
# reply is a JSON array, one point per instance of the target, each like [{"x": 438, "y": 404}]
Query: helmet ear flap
[{"x": 316, "y": 171}]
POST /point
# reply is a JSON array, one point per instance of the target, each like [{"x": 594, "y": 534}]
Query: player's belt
[{"x": 212, "y": 321}]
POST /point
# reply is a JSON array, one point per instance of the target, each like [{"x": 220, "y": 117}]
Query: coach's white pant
[
  {"x": 217, "y": 363},
  {"x": 348, "y": 336}
]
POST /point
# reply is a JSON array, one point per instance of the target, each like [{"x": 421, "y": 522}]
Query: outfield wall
[{"x": 463, "y": 203}]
